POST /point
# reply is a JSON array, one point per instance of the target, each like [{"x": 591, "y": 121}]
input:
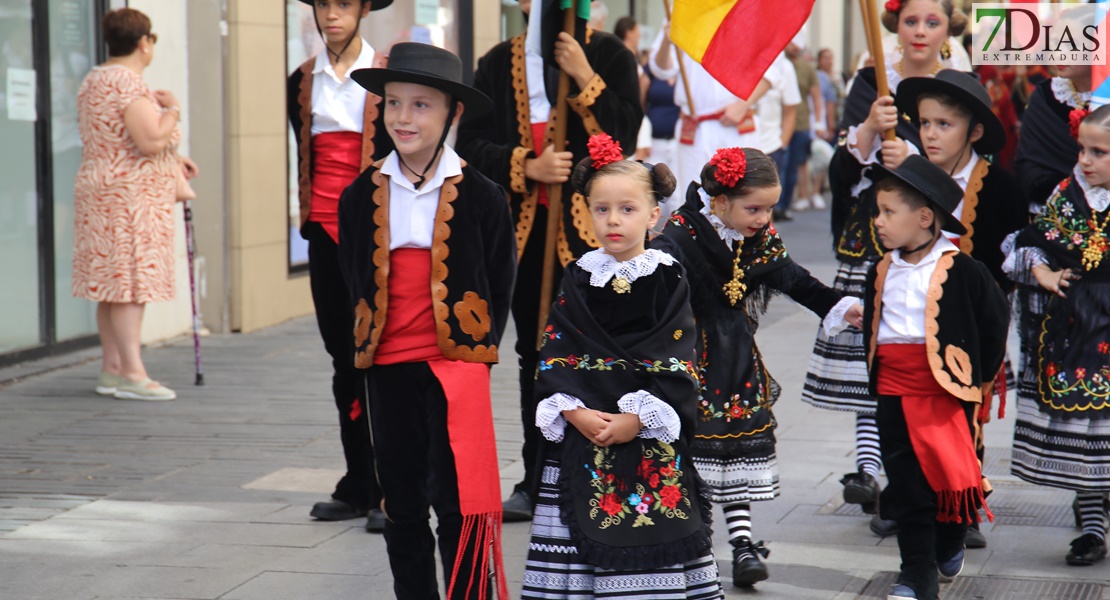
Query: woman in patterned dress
[{"x": 124, "y": 201}]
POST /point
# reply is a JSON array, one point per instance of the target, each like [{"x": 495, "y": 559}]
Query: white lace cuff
[
  {"x": 853, "y": 147},
  {"x": 834, "y": 322},
  {"x": 658, "y": 420},
  {"x": 549, "y": 415}
]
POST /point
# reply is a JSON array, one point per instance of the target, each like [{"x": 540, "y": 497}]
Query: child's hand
[
  {"x": 854, "y": 316},
  {"x": 549, "y": 167},
  {"x": 894, "y": 153},
  {"x": 621, "y": 428},
  {"x": 1054, "y": 281},
  {"x": 588, "y": 422},
  {"x": 883, "y": 116}
]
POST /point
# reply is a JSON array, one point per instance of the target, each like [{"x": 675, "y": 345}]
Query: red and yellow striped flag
[{"x": 737, "y": 40}]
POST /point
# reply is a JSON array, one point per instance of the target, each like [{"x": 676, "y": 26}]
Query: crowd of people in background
[{"x": 661, "y": 255}]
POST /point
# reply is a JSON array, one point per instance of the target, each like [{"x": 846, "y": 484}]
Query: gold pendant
[
  {"x": 1094, "y": 250},
  {"x": 621, "y": 285}
]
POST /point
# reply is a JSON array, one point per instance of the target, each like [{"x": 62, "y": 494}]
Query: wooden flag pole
[
  {"x": 871, "y": 26},
  {"x": 681, "y": 65},
  {"x": 555, "y": 190}
]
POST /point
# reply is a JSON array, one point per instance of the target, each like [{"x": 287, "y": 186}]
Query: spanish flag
[{"x": 737, "y": 40}]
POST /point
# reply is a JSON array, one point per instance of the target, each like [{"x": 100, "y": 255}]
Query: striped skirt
[
  {"x": 739, "y": 479},
  {"x": 1063, "y": 452},
  {"x": 837, "y": 377},
  {"x": 553, "y": 570}
]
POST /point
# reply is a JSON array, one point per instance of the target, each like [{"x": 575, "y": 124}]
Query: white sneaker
[
  {"x": 818, "y": 202},
  {"x": 800, "y": 204}
]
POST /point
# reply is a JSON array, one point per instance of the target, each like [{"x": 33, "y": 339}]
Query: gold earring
[
  {"x": 946, "y": 50},
  {"x": 898, "y": 46}
]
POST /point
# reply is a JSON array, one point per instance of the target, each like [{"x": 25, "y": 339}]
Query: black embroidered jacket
[{"x": 473, "y": 263}]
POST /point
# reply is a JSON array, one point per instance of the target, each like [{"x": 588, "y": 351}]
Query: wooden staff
[
  {"x": 555, "y": 190},
  {"x": 681, "y": 66},
  {"x": 871, "y": 27}
]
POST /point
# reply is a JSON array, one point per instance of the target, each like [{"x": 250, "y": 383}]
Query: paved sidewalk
[{"x": 207, "y": 497}]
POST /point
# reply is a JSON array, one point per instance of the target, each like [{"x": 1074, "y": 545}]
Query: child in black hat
[
  {"x": 958, "y": 127},
  {"x": 935, "y": 324},
  {"x": 427, "y": 248},
  {"x": 338, "y": 134}
]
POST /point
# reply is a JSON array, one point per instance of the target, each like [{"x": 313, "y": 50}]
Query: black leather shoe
[
  {"x": 336, "y": 510},
  {"x": 747, "y": 568},
  {"x": 974, "y": 538},
  {"x": 375, "y": 521},
  {"x": 861, "y": 488},
  {"x": 517, "y": 508},
  {"x": 882, "y": 527},
  {"x": 1086, "y": 550}
]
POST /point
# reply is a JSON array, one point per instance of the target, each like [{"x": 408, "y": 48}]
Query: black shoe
[
  {"x": 1086, "y": 550},
  {"x": 781, "y": 215},
  {"x": 375, "y": 521},
  {"x": 747, "y": 569},
  {"x": 336, "y": 510},
  {"x": 517, "y": 508},
  {"x": 974, "y": 538},
  {"x": 861, "y": 488},
  {"x": 882, "y": 527}
]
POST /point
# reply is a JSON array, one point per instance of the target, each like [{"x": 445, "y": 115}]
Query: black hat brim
[
  {"x": 909, "y": 90},
  {"x": 951, "y": 224},
  {"x": 374, "y": 4},
  {"x": 476, "y": 103}
]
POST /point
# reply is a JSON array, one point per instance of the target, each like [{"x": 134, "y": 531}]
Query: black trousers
[
  {"x": 358, "y": 487},
  {"x": 416, "y": 468},
  {"x": 908, "y": 499},
  {"x": 526, "y": 312}
]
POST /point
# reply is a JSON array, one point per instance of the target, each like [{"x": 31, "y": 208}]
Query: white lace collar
[
  {"x": 602, "y": 266},
  {"x": 1062, "y": 89},
  {"x": 1098, "y": 198},
  {"x": 726, "y": 233}
]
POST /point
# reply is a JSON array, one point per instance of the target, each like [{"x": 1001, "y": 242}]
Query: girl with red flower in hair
[
  {"x": 620, "y": 507},
  {"x": 724, "y": 238}
]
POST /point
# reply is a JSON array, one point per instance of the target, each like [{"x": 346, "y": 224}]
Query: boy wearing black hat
[
  {"x": 427, "y": 249},
  {"x": 957, "y": 126},
  {"x": 935, "y": 326},
  {"x": 333, "y": 121}
]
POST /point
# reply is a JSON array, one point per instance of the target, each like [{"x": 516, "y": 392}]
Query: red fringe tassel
[{"x": 482, "y": 532}]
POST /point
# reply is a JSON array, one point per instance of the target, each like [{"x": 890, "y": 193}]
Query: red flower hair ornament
[
  {"x": 893, "y": 6},
  {"x": 731, "y": 165},
  {"x": 604, "y": 150},
  {"x": 1075, "y": 117}
]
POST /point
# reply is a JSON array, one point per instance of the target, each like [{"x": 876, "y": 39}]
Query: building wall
[{"x": 263, "y": 292}]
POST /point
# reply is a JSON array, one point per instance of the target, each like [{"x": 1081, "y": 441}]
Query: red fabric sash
[
  {"x": 410, "y": 328},
  {"x": 539, "y": 130},
  {"x": 410, "y": 336},
  {"x": 938, "y": 430},
  {"x": 336, "y": 157}
]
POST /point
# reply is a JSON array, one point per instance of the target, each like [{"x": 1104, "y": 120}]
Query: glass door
[
  {"x": 20, "y": 300},
  {"x": 73, "y": 51}
]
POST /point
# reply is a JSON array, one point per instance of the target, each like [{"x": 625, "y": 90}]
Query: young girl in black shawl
[
  {"x": 724, "y": 238},
  {"x": 1062, "y": 433},
  {"x": 619, "y": 507}
]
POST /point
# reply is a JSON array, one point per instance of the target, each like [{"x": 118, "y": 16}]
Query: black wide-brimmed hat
[
  {"x": 413, "y": 62},
  {"x": 374, "y": 4},
  {"x": 967, "y": 90},
  {"x": 938, "y": 187}
]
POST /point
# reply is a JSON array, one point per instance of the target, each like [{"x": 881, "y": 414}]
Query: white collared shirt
[
  {"x": 338, "y": 105},
  {"x": 904, "y": 295},
  {"x": 539, "y": 106},
  {"x": 412, "y": 213},
  {"x": 962, "y": 178}
]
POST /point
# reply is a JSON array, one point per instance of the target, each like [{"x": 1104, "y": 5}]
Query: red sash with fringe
[
  {"x": 336, "y": 158},
  {"x": 410, "y": 336},
  {"x": 938, "y": 430}
]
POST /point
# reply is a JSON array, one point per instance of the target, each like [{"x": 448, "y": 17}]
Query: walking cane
[{"x": 190, "y": 247}]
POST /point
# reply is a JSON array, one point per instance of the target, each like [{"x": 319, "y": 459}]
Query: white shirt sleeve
[
  {"x": 549, "y": 415},
  {"x": 660, "y": 73},
  {"x": 659, "y": 421},
  {"x": 834, "y": 322},
  {"x": 791, "y": 95}
]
